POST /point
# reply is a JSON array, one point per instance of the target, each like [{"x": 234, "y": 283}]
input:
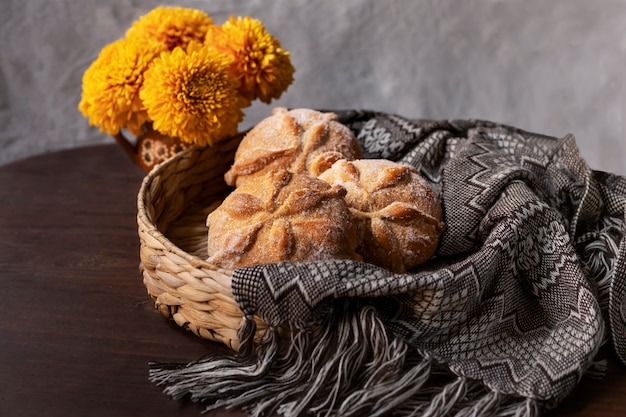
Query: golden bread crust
[
  {"x": 281, "y": 216},
  {"x": 399, "y": 215},
  {"x": 303, "y": 141}
]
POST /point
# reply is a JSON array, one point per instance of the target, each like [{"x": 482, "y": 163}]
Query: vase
[{"x": 150, "y": 147}]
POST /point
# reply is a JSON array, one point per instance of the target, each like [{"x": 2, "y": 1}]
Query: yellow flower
[
  {"x": 192, "y": 95},
  {"x": 263, "y": 68},
  {"x": 110, "y": 95},
  {"x": 172, "y": 26}
]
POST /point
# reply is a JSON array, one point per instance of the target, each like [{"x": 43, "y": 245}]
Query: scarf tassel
[{"x": 348, "y": 366}]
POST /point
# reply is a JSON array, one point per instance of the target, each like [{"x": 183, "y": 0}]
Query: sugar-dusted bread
[
  {"x": 301, "y": 140},
  {"x": 399, "y": 215},
  {"x": 281, "y": 216}
]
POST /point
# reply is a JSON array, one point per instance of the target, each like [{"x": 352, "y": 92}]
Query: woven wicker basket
[{"x": 173, "y": 203}]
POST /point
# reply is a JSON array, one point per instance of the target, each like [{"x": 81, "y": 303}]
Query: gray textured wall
[{"x": 553, "y": 66}]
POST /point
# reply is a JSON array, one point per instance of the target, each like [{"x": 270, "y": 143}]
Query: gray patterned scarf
[{"x": 527, "y": 283}]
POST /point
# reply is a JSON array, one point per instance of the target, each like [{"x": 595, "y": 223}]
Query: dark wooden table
[{"x": 77, "y": 328}]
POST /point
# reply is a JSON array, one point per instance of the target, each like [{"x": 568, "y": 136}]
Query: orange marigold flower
[
  {"x": 111, "y": 84},
  {"x": 262, "y": 66},
  {"x": 192, "y": 95},
  {"x": 172, "y": 26}
]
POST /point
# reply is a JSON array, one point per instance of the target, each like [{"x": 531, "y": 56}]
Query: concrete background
[{"x": 552, "y": 66}]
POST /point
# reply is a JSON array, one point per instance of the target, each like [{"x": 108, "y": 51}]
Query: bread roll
[
  {"x": 399, "y": 215},
  {"x": 303, "y": 141},
  {"x": 281, "y": 216}
]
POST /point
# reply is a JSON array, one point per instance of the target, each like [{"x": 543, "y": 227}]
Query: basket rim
[{"x": 150, "y": 227}]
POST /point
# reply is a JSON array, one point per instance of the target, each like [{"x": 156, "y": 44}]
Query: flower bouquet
[{"x": 177, "y": 79}]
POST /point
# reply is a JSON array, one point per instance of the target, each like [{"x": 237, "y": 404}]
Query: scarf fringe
[
  {"x": 348, "y": 366},
  {"x": 441, "y": 403}
]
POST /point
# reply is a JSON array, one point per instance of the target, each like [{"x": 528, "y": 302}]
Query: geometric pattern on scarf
[
  {"x": 528, "y": 281},
  {"x": 512, "y": 296}
]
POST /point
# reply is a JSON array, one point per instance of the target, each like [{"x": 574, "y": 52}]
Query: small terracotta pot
[{"x": 151, "y": 147}]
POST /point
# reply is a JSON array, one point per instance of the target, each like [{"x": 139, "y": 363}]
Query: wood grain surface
[{"x": 77, "y": 329}]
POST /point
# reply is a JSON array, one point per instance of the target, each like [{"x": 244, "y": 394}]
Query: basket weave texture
[{"x": 173, "y": 203}]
